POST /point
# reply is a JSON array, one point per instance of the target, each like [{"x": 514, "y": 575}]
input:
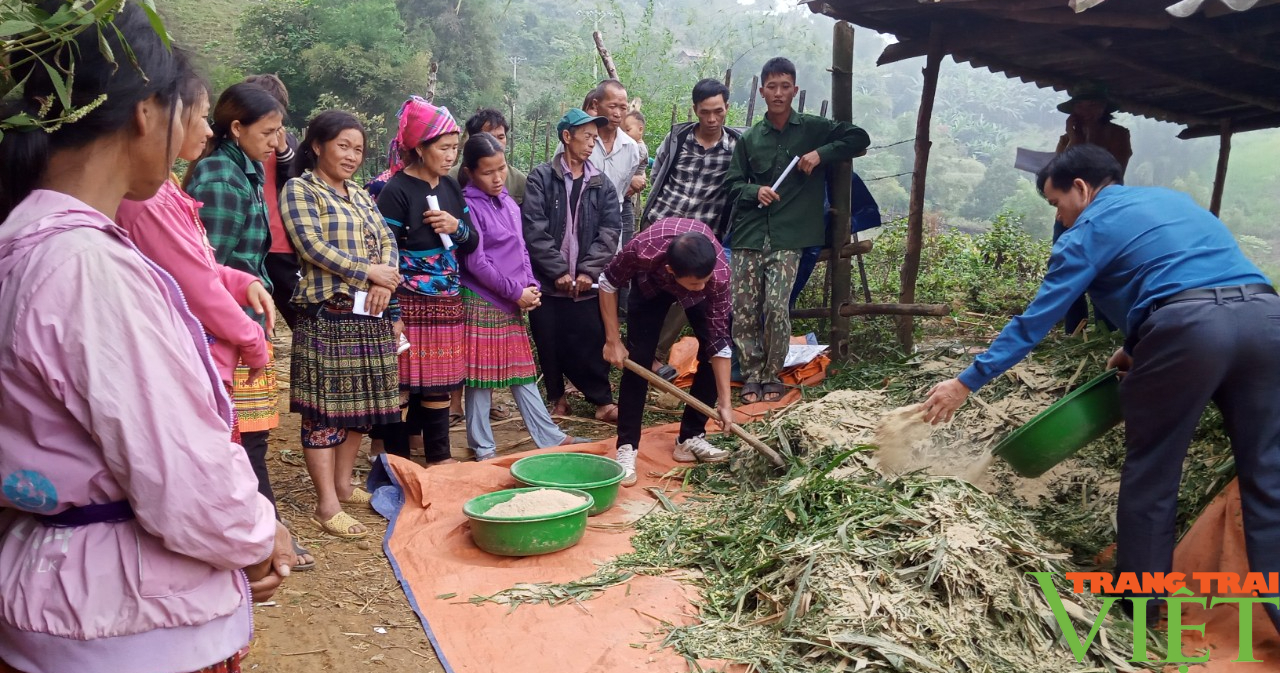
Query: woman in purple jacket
[
  {"x": 132, "y": 535},
  {"x": 498, "y": 287}
]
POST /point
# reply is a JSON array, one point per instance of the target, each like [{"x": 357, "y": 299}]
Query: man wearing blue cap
[{"x": 571, "y": 227}]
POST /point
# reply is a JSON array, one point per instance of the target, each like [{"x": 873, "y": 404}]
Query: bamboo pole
[
  {"x": 823, "y": 111},
  {"x": 533, "y": 144},
  {"x": 728, "y": 78},
  {"x": 838, "y": 266},
  {"x": 1220, "y": 175},
  {"x": 671, "y": 388},
  {"x": 915, "y": 214},
  {"x": 862, "y": 269},
  {"x": 751, "y": 102},
  {"x": 432, "y": 72},
  {"x": 673, "y": 114},
  {"x": 802, "y": 94},
  {"x": 609, "y": 67},
  {"x": 546, "y": 145}
]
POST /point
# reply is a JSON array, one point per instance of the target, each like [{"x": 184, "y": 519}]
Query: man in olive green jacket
[{"x": 771, "y": 227}]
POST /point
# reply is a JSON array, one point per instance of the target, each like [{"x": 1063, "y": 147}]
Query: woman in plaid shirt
[
  {"x": 227, "y": 183},
  {"x": 344, "y": 371}
]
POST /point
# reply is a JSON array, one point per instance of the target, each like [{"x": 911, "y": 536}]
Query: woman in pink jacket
[
  {"x": 167, "y": 229},
  {"x": 131, "y": 531}
]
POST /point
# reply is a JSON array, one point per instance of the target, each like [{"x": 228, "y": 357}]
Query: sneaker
[
  {"x": 627, "y": 459},
  {"x": 698, "y": 450}
]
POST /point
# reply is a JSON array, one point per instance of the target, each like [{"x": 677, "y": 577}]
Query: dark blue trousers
[{"x": 1188, "y": 354}]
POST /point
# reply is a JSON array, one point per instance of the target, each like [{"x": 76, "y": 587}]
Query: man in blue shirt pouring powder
[{"x": 1201, "y": 323}]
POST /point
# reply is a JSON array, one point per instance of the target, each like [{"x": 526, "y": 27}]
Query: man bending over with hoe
[{"x": 674, "y": 260}]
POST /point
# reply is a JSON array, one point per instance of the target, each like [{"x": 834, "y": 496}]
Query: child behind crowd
[{"x": 498, "y": 287}]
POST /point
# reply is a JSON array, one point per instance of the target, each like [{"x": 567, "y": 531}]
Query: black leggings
[{"x": 433, "y": 424}]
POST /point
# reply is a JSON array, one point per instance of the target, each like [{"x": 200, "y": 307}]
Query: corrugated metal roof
[{"x": 1217, "y": 63}]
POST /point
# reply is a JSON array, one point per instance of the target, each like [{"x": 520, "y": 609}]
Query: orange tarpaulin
[
  {"x": 1215, "y": 543},
  {"x": 684, "y": 358},
  {"x": 430, "y": 548}
]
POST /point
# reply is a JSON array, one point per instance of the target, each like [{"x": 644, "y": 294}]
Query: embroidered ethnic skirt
[
  {"x": 344, "y": 373},
  {"x": 498, "y": 352},
  {"x": 257, "y": 405},
  {"x": 436, "y": 360}
]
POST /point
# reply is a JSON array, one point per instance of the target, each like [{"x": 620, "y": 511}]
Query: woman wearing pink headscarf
[{"x": 427, "y": 214}]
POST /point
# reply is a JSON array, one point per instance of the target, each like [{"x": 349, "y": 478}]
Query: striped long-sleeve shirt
[{"x": 332, "y": 234}]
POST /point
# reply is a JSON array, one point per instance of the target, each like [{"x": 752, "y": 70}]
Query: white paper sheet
[
  {"x": 799, "y": 354},
  {"x": 359, "y": 302}
]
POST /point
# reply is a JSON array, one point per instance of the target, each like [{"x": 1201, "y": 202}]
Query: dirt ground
[{"x": 350, "y": 612}]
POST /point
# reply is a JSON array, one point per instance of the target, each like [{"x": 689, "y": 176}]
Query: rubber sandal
[
  {"x": 773, "y": 391},
  {"x": 499, "y": 412},
  {"x": 750, "y": 393},
  {"x": 667, "y": 372},
  {"x": 339, "y": 525},
  {"x": 358, "y": 497},
  {"x": 456, "y": 419},
  {"x": 299, "y": 551}
]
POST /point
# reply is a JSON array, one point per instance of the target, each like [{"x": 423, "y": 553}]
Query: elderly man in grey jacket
[{"x": 571, "y": 227}]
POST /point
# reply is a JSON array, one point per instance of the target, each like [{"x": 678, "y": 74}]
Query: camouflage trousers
[{"x": 761, "y": 317}]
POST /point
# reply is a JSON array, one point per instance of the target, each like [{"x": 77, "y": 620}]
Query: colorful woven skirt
[
  {"x": 344, "y": 371},
  {"x": 436, "y": 360},
  {"x": 498, "y": 351},
  {"x": 257, "y": 404}
]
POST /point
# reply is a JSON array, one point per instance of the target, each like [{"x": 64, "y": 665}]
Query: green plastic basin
[
  {"x": 596, "y": 475},
  {"x": 1067, "y": 426},
  {"x": 525, "y": 535}
]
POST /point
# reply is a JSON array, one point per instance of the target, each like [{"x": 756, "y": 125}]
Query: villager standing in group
[
  {"x": 616, "y": 154},
  {"x": 571, "y": 227},
  {"x": 1200, "y": 324},
  {"x": 167, "y": 229},
  {"x": 671, "y": 263},
  {"x": 344, "y": 375},
  {"x": 488, "y": 120},
  {"x": 1089, "y": 112},
  {"x": 277, "y": 168},
  {"x": 430, "y": 238},
  {"x": 771, "y": 227},
  {"x": 228, "y": 182},
  {"x": 688, "y": 183},
  {"x": 133, "y": 537},
  {"x": 498, "y": 288}
]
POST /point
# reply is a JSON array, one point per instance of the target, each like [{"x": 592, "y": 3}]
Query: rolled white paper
[
  {"x": 785, "y": 172},
  {"x": 434, "y": 204}
]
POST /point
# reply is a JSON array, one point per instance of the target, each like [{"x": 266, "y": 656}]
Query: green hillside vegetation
[{"x": 368, "y": 55}]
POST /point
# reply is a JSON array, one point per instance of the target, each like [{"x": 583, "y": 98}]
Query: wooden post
[
  {"x": 1220, "y": 176},
  {"x": 728, "y": 78},
  {"x": 801, "y": 108},
  {"x": 862, "y": 271},
  {"x": 823, "y": 111},
  {"x": 533, "y": 144},
  {"x": 546, "y": 144},
  {"x": 915, "y": 213},
  {"x": 673, "y": 113},
  {"x": 609, "y": 67},
  {"x": 432, "y": 71},
  {"x": 838, "y": 269},
  {"x": 751, "y": 101}
]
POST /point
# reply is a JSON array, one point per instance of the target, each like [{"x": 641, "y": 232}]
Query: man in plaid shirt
[
  {"x": 688, "y": 181},
  {"x": 674, "y": 261}
]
